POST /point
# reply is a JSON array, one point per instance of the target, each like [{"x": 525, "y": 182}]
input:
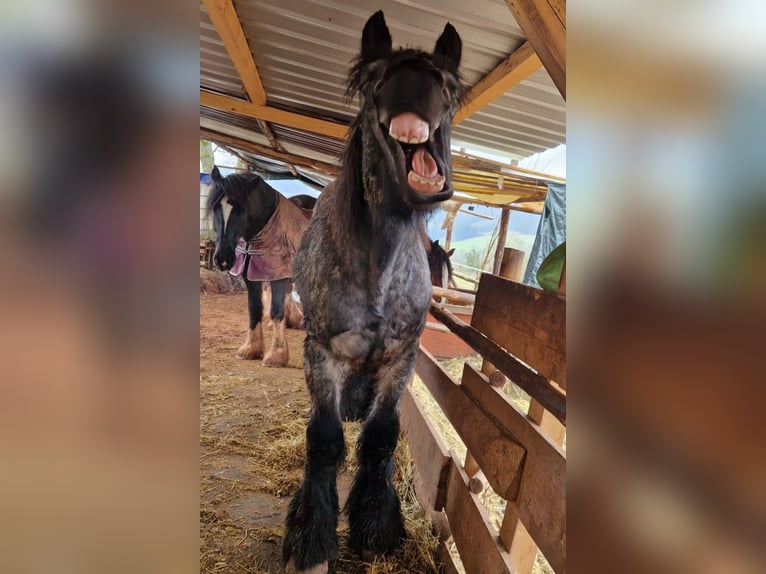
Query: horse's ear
[
  {"x": 449, "y": 47},
  {"x": 216, "y": 175},
  {"x": 450, "y": 252},
  {"x": 376, "y": 39},
  {"x": 435, "y": 243}
]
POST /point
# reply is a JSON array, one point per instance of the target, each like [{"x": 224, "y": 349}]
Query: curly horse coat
[{"x": 363, "y": 278}]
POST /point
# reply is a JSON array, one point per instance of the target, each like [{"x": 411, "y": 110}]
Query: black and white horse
[
  {"x": 363, "y": 277},
  {"x": 257, "y": 231}
]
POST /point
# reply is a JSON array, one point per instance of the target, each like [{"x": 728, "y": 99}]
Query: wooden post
[
  {"x": 511, "y": 266},
  {"x": 501, "y": 236},
  {"x": 448, "y": 239}
]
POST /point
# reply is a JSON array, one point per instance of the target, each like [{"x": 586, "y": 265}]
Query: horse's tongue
[{"x": 424, "y": 164}]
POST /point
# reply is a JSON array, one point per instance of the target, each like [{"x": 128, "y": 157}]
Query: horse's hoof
[
  {"x": 276, "y": 358},
  {"x": 320, "y": 568},
  {"x": 248, "y": 354}
]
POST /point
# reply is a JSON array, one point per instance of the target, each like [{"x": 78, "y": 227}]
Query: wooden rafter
[
  {"x": 267, "y": 131},
  {"x": 281, "y": 117},
  {"x": 536, "y": 208},
  {"x": 544, "y": 24},
  {"x": 510, "y": 72},
  {"x": 224, "y": 17},
  {"x": 321, "y": 166}
]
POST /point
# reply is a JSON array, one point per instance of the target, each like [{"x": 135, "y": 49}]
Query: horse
[
  {"x": 257, "y": 239},
  {"x": 362, "y": 275},
  {"x": 440, "y": 265}
]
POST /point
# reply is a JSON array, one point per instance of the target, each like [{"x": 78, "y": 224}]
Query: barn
[{"x": 480, "y": 466}]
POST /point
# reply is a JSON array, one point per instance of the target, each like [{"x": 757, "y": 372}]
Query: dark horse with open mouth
[
  {"x": 363, "y": 277},
  {"x": 257, "y": 239}
]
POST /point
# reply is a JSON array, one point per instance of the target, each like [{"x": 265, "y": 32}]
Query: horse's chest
[
  {"x": 391, "y": 320},
  {"x": 403, "y": 296}
]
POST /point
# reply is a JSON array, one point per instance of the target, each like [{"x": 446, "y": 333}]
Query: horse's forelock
[
  {"x": 235, "y": 188},
  {"x": 214, "y": 199},
  {"x": 360, "y": 69}
]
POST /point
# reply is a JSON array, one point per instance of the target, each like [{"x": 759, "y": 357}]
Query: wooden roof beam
[
  {"x": 510, "y": 72},
  {"x": 266, "y": 151},
  {"x": 544, "y": 24},
  {"x": 224, "y": 18},
  {"x": 267, "y": 131},
  {"x": 274, "y": 115}
]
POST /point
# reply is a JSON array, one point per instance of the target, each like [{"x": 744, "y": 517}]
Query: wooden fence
[{"x": 521, "y": 330}]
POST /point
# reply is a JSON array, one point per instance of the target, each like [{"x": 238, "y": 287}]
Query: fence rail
[{"x": 518, "y": 452}]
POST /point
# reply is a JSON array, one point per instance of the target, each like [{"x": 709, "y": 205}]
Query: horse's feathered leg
[
  {"x": 278, "y": 355},
  {"x": 311, "y": 539},
  {"x": 374, "y": 515},
  {"x": 252, "y": 348}
]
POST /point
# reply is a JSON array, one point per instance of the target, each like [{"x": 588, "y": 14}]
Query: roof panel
[{"x": 303, "y": 50}]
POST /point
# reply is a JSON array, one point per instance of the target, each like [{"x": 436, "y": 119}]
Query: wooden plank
[
  {"x": 517, "y": 540},
  {"x": 476, "y": 539},
  {"x": 534, "y": 384},
  {"x": 496, "y": 452},
  {"x": 430, "y": 458},
  {"x": 474, "y": 162},
  {"x": 274, "y": 115},
  {"x": 544, "y": 24},
  {"x": 501, "y": 237},
  {"x": 528, "y": 322},
  {"x": 541, "y": 502},
  {"x": 429, "y": 452},
  {"x": 223, "y": 15},
  {"x": 552, "y": 428},
  {"x": 536, "y": 208},
  {"x": 453, "y": 295},
  {"x": 510, "y": 72},
  {"x": 444, "y": 560},
  {"x": 438, "y": 327}
]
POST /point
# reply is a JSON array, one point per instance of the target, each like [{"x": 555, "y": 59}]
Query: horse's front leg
[
  {"x": 311, "y": 540},
  {"x": 278, "y": 355},
  {"x": 252, "y": 348},
  {"x": 374, "y": 515}
]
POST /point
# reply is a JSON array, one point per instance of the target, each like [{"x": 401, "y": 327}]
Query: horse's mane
[
  {"x": 349, "y": 188},
  {"x": 236, "y": 189}
]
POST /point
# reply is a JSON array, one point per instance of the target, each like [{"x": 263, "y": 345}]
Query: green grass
[{"x": 519, "y": 241}]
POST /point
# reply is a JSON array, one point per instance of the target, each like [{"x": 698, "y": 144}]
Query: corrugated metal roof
[
  {"x": 216, "y": 71},
  {"x": 303, "y": 50}
]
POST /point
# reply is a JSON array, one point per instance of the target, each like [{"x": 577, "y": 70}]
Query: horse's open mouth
[{"x": 413, "y": 135}]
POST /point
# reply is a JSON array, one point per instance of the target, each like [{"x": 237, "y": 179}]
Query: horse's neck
[
  {"x": 261, "y": 208},
  {"x": 386, "y": 236}
]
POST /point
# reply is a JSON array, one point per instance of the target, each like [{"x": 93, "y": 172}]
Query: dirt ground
[{"x": 252, "y": 428}]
